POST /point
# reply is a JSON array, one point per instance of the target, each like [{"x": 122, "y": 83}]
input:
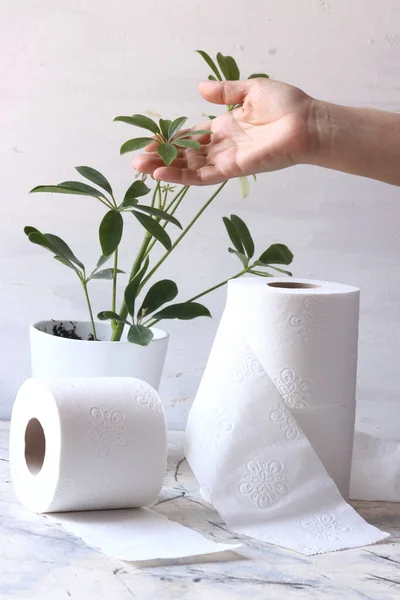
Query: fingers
[
  {"x": 206, "y": 175},
  {"x": 148, "y": 164},
  {"x": 151, "y": 147},
  {"x": 225, "y": 92}
]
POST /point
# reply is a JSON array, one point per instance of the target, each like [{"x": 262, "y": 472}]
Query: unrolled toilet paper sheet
[
  {"x": 137, "y": 534},
  {"x": 270, "y": 434},
  {"x": 80, "y": 446}
]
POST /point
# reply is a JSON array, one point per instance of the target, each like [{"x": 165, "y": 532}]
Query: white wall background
[{"x": 68, "y": 67}]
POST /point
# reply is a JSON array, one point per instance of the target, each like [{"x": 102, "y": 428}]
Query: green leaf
[
  {"x": 96, "y": 177},
  {"x": 160, "y": 293},
  {"x": 28, "y": 230},
  {"x": 167, "y": 152},
  {"x": 157, "y": 212},
  {"x": 210, "y": 63},
  {"x": 55, "y": 245},
  {"x": 155, "y": 229},
  {"x": 277, "y": 254},
  {"x": 139, "y": 334},
  {"x": 135, "y": 144},
  {"x": 63, "y": 188},
  {"x": 102, "y": 260},
  {"x": 243, "y": 259},
  {"x": 110, "y": 232},
  {"x": 260, "y": 273},
  {"x": 165, "y": 124},
  {"x": 228, "y": 66},
  {"x": 233, "y": 235},
  {"x": 63, "y": 249},
  {"x": 131, "y": 290},
  {"x": 194, "y": 132},
  {"x": 84, "y": 188},
  {"x": 244, "y": 184},
  {"x": 136, "y": 190},
  {"x": 244, "y": 235},
  {"x": 256, "y": 75},
  {"x": 184, "y": 311},
  {"x": 211, "y": 117},
  {"x": 110, "y": 315},
  {"x": 67, "y": 263},
  {"x": 176, "y": 126},
  {"x": 105, "y": 274},
  {"x": 212, "y": 78},
  {"x": 128, "y": 204},
  {"x": 281, "y": 270},
  {"x": 140, "y": 121},
  {"x": 188, "y": 144}
]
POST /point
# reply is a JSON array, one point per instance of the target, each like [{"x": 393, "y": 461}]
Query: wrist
[{"x": 319, "y": 132}]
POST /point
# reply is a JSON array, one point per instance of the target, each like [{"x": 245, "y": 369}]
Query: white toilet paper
[
  {"x": 375, "y": 473},
  {"x": 270, "y": 434},
  {"x": 98, "y": 443}
]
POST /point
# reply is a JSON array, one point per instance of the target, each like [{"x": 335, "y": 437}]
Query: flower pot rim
[{"x": 160, "y": 333}]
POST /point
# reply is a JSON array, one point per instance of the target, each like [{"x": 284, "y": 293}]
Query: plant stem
[
  {"x": 114, "y": 291},
  {"x": 184, "y": 232},
  {"x": 183, "y": 191},
  {"x": 164, "y": 201},
  {"x": 114, "y": 288},
  {"x": 123, "y": 311},
  {"x": 141, "y": 255},
  {"x": 178, "y": 199},
  {"x": 218, "y": 285},
  {"x": 159, "y": 197},
  {"x": 110, "y": 206},
  {"x": 84, "y": 285}
]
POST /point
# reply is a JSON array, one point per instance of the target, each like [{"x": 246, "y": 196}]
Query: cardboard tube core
[
  {"x": 293, "y": 285},
  {"x": 35, "y": 446}
]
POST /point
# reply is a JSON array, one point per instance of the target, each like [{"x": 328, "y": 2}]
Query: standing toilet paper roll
[
  {"x": 95, "y": 444},
  {"x": 270, "y": 434}
]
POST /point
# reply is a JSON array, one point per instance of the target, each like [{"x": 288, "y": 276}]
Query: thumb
[{"x": 225, "y": 92}]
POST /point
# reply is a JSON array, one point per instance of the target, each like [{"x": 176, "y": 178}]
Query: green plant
[{"x": 154, "y": 217}]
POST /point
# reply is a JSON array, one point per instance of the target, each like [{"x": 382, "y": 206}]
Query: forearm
[{"x": 360, "y": 141}]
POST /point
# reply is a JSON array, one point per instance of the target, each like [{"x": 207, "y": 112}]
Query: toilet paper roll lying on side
[
  {"x": 270, "y": 433},
  {"x": 98, "y": 443}
]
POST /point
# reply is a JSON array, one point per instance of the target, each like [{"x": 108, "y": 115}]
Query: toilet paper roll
[
  {"x": 98, "y": 443},
  {"x": 375, "y": 471},
  {"x": 270, "y": 434}
]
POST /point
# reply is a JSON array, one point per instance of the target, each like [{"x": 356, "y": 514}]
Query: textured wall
[{"x": 68, "y": 67}]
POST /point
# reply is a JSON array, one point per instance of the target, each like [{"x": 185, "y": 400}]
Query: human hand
[{"x": 273, "y": 129}]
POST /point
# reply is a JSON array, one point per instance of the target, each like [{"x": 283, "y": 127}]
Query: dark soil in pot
[{"x": 59, "y": 330}]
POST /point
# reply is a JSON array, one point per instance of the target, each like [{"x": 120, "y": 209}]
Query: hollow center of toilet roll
[
  {"x": 35, "y": 446},
  {"x": 293, "y": 285}
]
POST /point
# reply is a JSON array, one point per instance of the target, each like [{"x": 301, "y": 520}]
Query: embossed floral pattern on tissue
[
  {"x": 245, "y": 365},
  {"x": 323, "y": 527},
  {"x": 106, "y": 430},
  {"x": 284, "y": 418},
  {"x": 311, "y": 320},
  {"x": 214, "y": 430},
  {"x": 264, "y": 482},
  {"x": 295, "y": 394},
  {"x": 149, "y": 399}
]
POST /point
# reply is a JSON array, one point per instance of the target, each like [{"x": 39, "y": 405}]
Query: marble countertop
[{"x": 39, "y": 560}]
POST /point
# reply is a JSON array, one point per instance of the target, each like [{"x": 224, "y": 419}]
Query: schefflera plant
[{"x": 154, "y": 216}]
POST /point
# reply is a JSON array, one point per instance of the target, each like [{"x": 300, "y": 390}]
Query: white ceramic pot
[{"x": 53, "y": 356}]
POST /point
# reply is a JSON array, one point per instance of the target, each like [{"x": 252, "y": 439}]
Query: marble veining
[{"x": 39, "y": 560}]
